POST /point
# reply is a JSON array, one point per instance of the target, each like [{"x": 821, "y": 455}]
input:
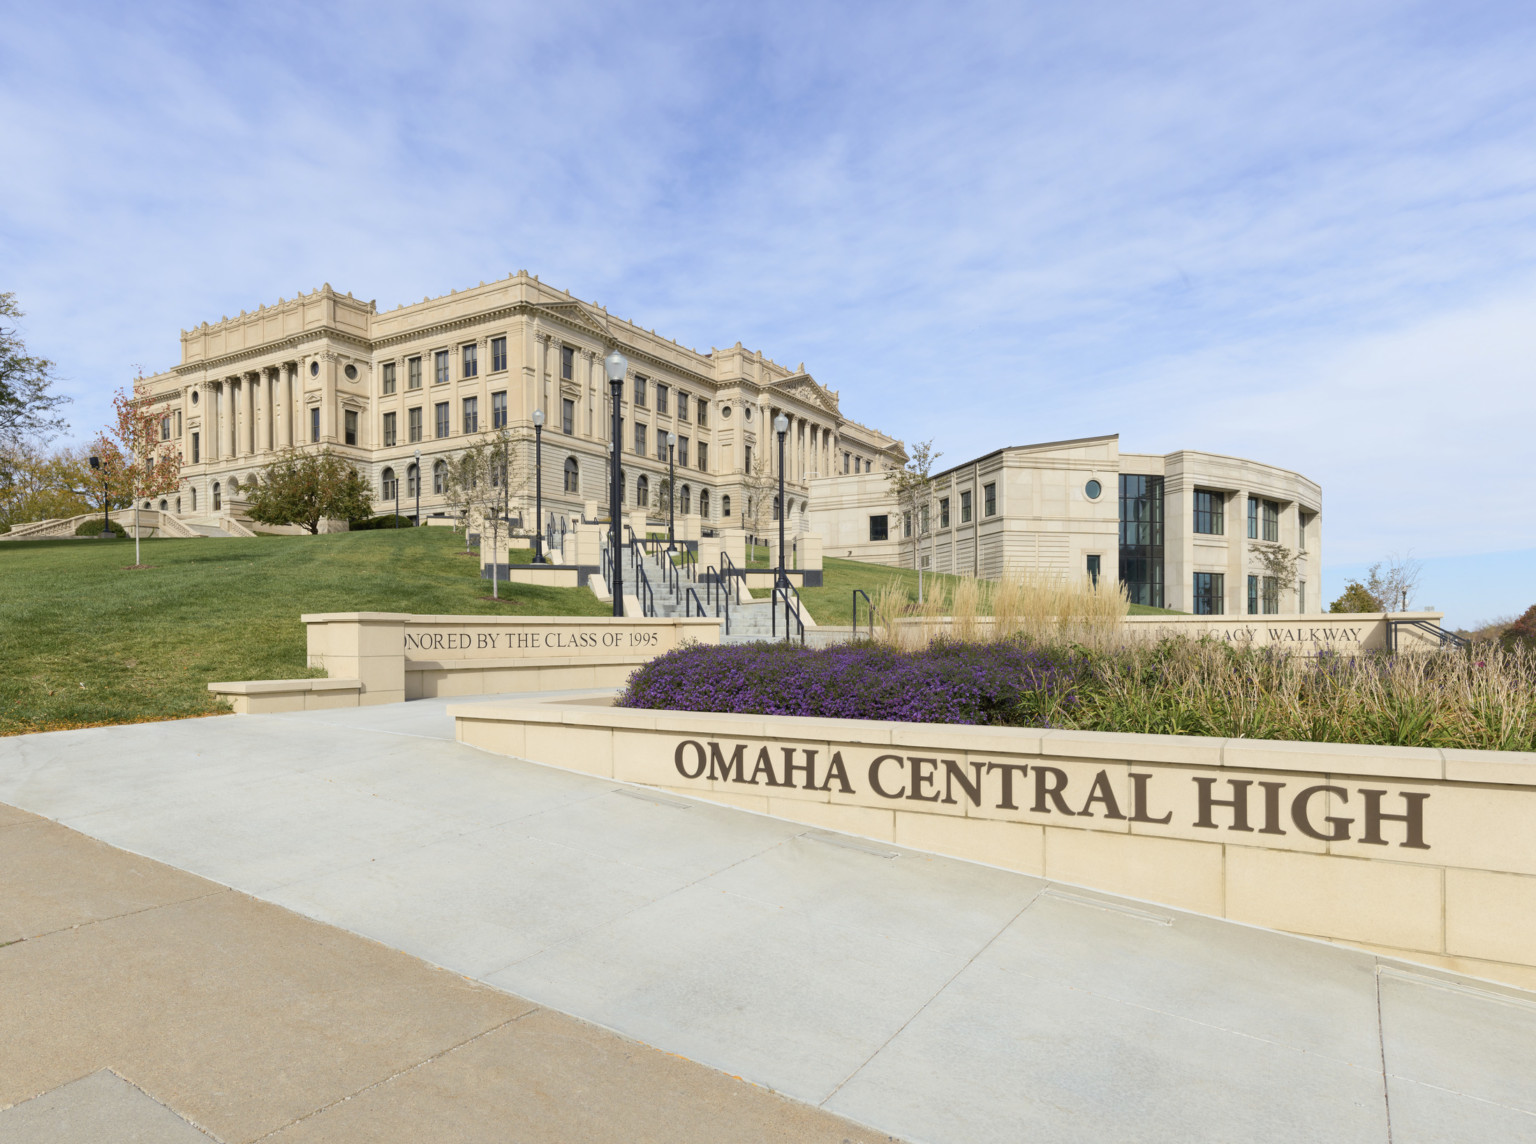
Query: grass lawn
[{"x": 83, "y": 641}]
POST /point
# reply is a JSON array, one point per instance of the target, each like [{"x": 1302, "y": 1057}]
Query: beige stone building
[
  {"x": 327, "y": 370},
  {"x": 1185, "y": 531}
]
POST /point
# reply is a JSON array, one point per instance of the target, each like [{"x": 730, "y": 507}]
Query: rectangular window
[
  {"x": 943, "y": 512},
  {"x": 471, "y": 415},
  {"x": 389, "y": 429},
  {"x": 197, "y": 452},
  {"x": 389, "y": 378},
  {"x": 1253, "y": 595},
  {"x": 350, "y": 424},
  {"x": 498, "y": 354},
  {"x": 682, "y": 406},
  {"x": 906, "y": 526},
  {"x": 1271, "y": 596},
  {"x": 314, "y": 424},
  {"x": 922, "y": 521},
  {"x": 749, "y": 458},
  {"x": 413, "y": 373},
  {"x": 1301, "y": 531},
  {"x": 499, "y": 410},
  {"x": 847, "y": 464},
  {"x": 879, "y": 527},
  {"x": 661, "y": 398},
  {"x": 703, "y": 412},
  {"x": 165, "y": 427},
  {"x": 413, "y": 424},
  {"x": 440, "y": 419},
  {"x": 471, "y": 361},
  {"x": 1272, "y": 520},
  {"x": 1253, "y": 518},
  {"x": 1093, "y": 569},
  {"x": 639, "y": 440},
  {"x": 639, "y": 391},
  {"x": 661, "y": 445},
  {"x": 178, "y": 423},
  {"x": 567, "y": 415},
  {"x": 1141, "y": 539},
  {"x": 1210, "y": 593},
  {"x": 440, "y": 367},
  {"x": 567, "y": 363},
  {"x": 988, "y": 500},
  {"x": 703, "y": 457},
  {"x": 1301, "y": 596},
  {"x": 965, "y": 507},
  {"x": 1209, "y": 513},
  {"x": 682, "y": 451}
]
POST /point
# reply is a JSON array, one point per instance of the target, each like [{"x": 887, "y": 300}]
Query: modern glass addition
[
  {"x": 1209, "y": 514},
  {"x": 1210, "y": 594},
  {"x": 879, "y": 528},
  {"x": 1141, "y": 539}
]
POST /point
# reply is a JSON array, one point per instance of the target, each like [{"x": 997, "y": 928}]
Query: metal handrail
[
  {"x": 786, "y": 590},
  {"x": 713, "y": 583},
  {"x": 730, "y": 573},
  {"x": 869, "y": 607},
  {"x": 1447, "y": 639},
  {"x": 690, "y": 601},
  {"x": 644, "y": 592}
]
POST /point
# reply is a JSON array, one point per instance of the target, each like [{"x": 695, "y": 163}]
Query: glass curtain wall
[{"x": 1141, "y": 539}]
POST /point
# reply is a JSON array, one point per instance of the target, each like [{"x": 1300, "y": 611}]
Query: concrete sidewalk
[{"x": 928, "y": 998}]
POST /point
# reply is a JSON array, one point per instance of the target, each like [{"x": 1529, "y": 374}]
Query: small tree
[
  {"x": 27, "y": 404},
  {"x": 486, "y": 479},
  {"x": 136, "y": 459},
  {"x": 1394, "y": 581},
  {"x": 761, "y": 487},
  {"x": 305, "y": 488},
  {"x": 1521, "y": 633},
  {"x": 1356, "y": 598},
  {"x": 39, "y": 485},
  {"x": 912, "y": 486}
]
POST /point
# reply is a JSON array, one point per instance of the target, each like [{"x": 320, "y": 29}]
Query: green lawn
[{"x": 84, "y": 641}]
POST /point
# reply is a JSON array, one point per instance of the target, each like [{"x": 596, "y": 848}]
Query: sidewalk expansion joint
[{"x": 125, "y": 914}]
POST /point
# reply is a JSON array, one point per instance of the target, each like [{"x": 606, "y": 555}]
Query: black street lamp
[
  {"x": 616, "y": 365},
  {"x": 671, "y": 487},
  {"x": 396, "y": 483},
  {"x": 418, "y": 488},
  {"x": 781, "y": 427},
  {"x": 538, "y": 486},
  {"x": 106, "y": 522}
]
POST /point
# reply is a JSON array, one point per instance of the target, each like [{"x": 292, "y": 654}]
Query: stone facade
[
  {"x": 327, "y": 370},
  {"x": 1034, "y": 508}
]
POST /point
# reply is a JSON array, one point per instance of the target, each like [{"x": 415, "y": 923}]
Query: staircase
[{"x": 751, "y": 620}]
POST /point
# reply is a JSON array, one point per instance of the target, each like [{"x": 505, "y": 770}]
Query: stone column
[
  {"x": 283, "y": 408},
  {"x": 253, "y": 387},
  {"x": 227, "y": 421},
  {"x": 328, "y": 398}
]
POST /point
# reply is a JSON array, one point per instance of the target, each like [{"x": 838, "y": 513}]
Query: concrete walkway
[{"x": 927, "y": 998}]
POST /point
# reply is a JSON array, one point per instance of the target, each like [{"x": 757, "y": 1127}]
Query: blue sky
[{"x": 1303, "y": 233}]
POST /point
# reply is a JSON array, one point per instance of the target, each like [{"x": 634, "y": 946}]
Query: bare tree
[
  {"x": 912, "y": 486},
  {"x": 484, "y": 482},
  {"x": 1394, "y": 581},
  {"x": 760, "y": 487}
]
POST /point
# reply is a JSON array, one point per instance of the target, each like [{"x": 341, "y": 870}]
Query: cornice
[{"x": 266, "y": 349}]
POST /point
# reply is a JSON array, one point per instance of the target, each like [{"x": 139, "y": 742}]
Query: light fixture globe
[
  {"x": 671, "y": 438},
  {"x": 781, "y": 424},
  {"x": 616, "y": 365},
  {"x": 538, "y": 417}
]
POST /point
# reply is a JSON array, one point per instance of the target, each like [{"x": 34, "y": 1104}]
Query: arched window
[
  {"x": 684, "y": 500},
  {"x": 775, "y": 507},
  {"x": 664, "y": 496},
  {"x": 389, "y": 484},
  {"x": 643, "y": 493},
  {"x": 234, "y": 485},
  {"x": 572, "y": 476},
  {"x": 704, "y": 503},
  {"x": 178, "y": 502},
  {"x": 725, "y": 506},
  {"x": 439, "y": 477},
  {"x": 164, "y": 504},
  {"x": 218, "y": 500},
  {"x": 194, "y": 488},
  {"x": 411, "y": 478}
]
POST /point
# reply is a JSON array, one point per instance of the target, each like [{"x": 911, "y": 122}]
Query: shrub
[
  {"x": 374, "y": 522},
  {"x": 1356, "y": 598},
  {"x": 1521, "y": 633},
  {"x": 92, "y": 527}
]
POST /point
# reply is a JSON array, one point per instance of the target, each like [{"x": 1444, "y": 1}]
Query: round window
[
  {"x": 725, "y": 412},
  {"x": 748, "y": 412},
  {"x": 194, "y": 397},
  {"x": 314, "y": 369},
  {"x": 351, "y": 372},
  {"x": 1092, "y": 490}
]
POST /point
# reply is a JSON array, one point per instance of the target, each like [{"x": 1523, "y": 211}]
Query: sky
[{"x": 1302, "y": 233}]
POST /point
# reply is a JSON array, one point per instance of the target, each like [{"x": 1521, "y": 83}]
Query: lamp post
[
  {"x": 538, "y": 486},
  {"x": 396, "y": 483},
  {"x": 781, "y": 427},
  {"x": 671, "y": 488},
  {"x": 418, "y": 488},
  {"x": 106, "y": 523},
  {"x": 616, "y": 365}
]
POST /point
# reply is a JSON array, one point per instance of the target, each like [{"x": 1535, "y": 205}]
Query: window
[
  {"x": 661, "y": 398},
  {"x": 1093, "y": 569},
  {"x": 1253, "y": 518},
  {"x": 1271, "y": 520},
  {"x": 178, "y": 423},
  {"x": 389, "y": 378},
  {"x": 471, "y": 361},
  {"x": 906, "y": 526},
  {"x": 1141, "y": 539},
  {"x": 661, "y": 445},
  {"x": 1301, "y": 596},
  {"x": 682, "y": 451},
  {"x": 440, "y": 367},
  {"x": 685, "y": 501},
  {"x": 1271, "y": 596},
  {"x": 165, "y": 427},
  {"x": 413, "y": 424},
  {"x": 639, "y": 391},
  {"x": 858, "y": 464},
  {"x": 413, "y": 373},
  {"x": 193, "y": 491},
  {"x": 439, "y": 477},
  {"x": 1209, "y": 516},
  {"x": 499, "y": 410},
  {"x": 412, "y": 484},
  {"x": 567, "y": 415},
  {"x": 572, "y": 476},
  {"x": 703, "y": 457},
  {"x": 922, "y": 521},
  {"x": 943, "y": 512},
  {"x": 197, "y": 451},
  {"x": 1301, "y": 532},
  {"x": 847, "y": 464},
  {"x": 567, "y": 363},
  {"x": 1210, "y": 593},
  {"x": 440, "y": 419},
  {"x": 389, "y": 486},
  {"x": 471, "y": 415},
  {"x": 350, "y": 427},
  {"x": 879, "y": 527},
  {"x": 1253, "y": 595},
  {"x": 703, "y": 417},
  {"x": 749, "y": 458},
  {"x": 643, "y": 493},
  {"x": 965, "y": 507},
  {"x": 639, "y": 439},
  {"x": 725, "y": 506},
  {"x": 389, "y": 429},
  {"x": 218, "y": 501},
  {"x": 498, "y": 354},
  {"x": 704, "y": 503},
  {"x": 314, "y": 424},
  {"x": 682, "y": 413},
  {"x": 988, "y": 500}
]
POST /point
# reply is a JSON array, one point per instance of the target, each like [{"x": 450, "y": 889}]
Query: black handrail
[
  {"x": 690, "y": 601},
  {"x": 1447, "y": 639},
  {"x": 643, "y": 591},
  {"x": 787, "y": 590},
  {"x": 869, "y": 607},
  {"x": 715, "y": 583}
]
